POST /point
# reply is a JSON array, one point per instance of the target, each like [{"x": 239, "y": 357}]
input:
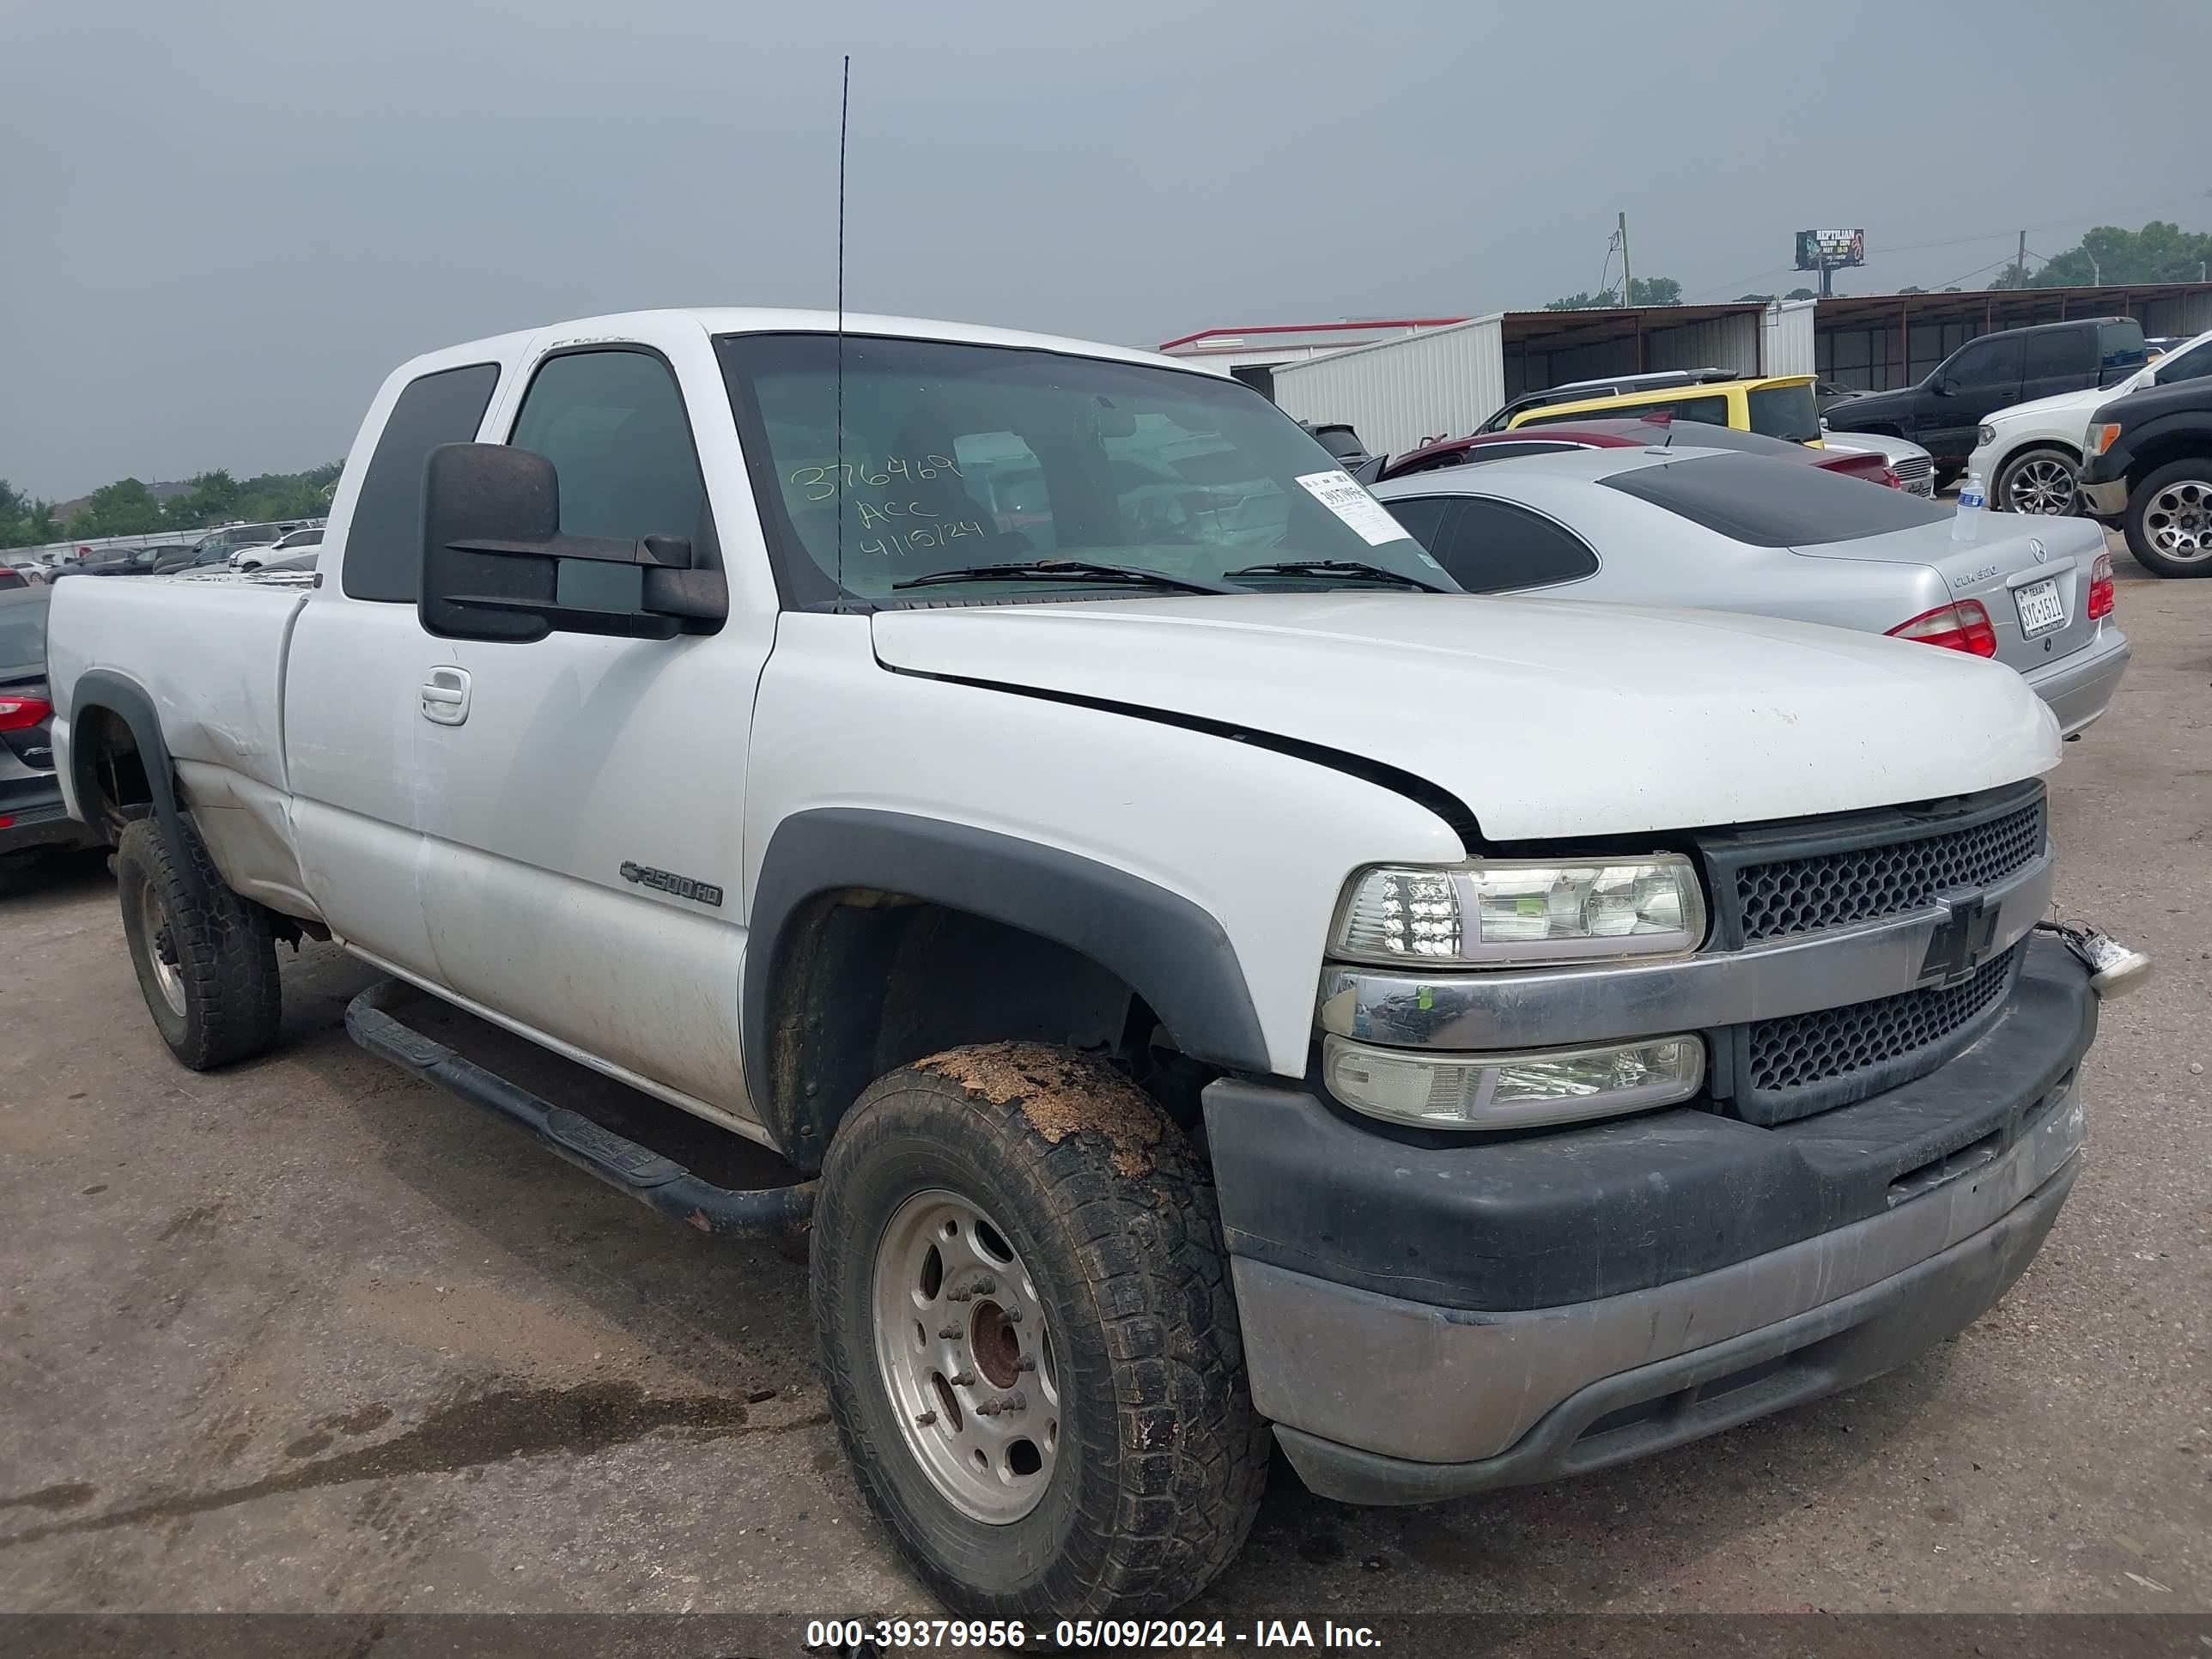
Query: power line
[{"x": 2105, "y": 216}]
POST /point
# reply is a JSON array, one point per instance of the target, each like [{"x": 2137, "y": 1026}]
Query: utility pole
[
  {"x": 1627, "y": 282},
  {"x": 2019, "y": 265}
]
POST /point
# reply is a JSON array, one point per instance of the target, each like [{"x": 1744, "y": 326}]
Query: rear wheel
[
  {"x": 2169, "y": 519},
  {"x": 1028, "y": 1337},
  {"x": 206, "y": 966},
  {"x": 2039, "y": 481}
]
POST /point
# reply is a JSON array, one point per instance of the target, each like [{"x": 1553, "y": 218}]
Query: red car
[{"x": 1642, "y": 433}]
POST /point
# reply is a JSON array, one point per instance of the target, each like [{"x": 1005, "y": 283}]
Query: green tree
[
  {"x": 1801, "y": 293},
  {"x": 1646, "y": 291},
  {"x": 25, "y": 522},
  {"x": 2162, "y": 251},
  {"x": 125, "y": 507},
  {"x": 212, "y": 499}
]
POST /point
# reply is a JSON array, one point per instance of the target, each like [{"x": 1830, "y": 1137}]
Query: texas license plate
[{"x": 2041, "y": 610}]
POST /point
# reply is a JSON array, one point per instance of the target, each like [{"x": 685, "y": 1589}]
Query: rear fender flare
[{"x": 103, "y": 688}]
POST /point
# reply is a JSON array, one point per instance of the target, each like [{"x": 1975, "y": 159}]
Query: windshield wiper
[
  {"x": 1340, "y": 567},
  {"x": 1080, "y": 570}
]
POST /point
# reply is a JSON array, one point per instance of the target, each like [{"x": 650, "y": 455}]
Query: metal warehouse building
[{"x": 1400, "y": 380}]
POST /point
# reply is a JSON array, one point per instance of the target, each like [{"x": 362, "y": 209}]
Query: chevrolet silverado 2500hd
[{"x": 1213, "y": 981}]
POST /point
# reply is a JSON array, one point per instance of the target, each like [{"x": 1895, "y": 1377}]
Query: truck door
[
  {"x": 1982, "y": 375},
  {"x": 585, "y": 793}
]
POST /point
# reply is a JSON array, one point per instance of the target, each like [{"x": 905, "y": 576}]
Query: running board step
[{"x": 644, "y": 1174}]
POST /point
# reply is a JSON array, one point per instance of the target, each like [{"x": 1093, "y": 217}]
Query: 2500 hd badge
[{"x": 682, "y": 886}]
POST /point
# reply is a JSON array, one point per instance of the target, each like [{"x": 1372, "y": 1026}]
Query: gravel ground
[{"x": 308, "y": 1336}]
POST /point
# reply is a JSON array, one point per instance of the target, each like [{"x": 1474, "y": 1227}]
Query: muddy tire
[
  {"x": 206, "y": 962},
  {"x": 1030, "y": 1340}
]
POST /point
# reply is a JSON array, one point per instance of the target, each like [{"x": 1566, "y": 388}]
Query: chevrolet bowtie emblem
[{"x": 1960, "y": 943}]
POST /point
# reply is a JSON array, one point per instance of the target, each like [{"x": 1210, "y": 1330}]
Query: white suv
[{"x": 2029, "y": 455}]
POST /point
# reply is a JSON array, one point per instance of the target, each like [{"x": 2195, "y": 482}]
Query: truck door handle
[{"x": 446, "y": 696}]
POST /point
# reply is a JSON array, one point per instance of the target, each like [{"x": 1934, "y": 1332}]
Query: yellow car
[{"x": 1776, "y": 406}]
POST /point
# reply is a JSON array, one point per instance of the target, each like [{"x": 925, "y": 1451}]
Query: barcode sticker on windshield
[{"x": 1350, "y": 502}]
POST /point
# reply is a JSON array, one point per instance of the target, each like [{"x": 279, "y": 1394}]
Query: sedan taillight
[
  {"x": 2101, "y": 587},
  {"x": 20, "y": 713},
  {"x": 1962, "y": 626}
]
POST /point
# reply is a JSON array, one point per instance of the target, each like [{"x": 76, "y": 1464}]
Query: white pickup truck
[{"x": 1210, "y": 982}]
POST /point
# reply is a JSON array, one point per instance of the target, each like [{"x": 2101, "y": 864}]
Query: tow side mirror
[
  {"x": 1942, "y": 385},
  {"x": 495, "y": 565}
]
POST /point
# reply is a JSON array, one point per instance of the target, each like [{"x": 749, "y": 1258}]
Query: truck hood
[
  {"x": 1545, "y": 718},
  {"x": 1894, "y": 405},
  {"x": 2063, "y": 403}
]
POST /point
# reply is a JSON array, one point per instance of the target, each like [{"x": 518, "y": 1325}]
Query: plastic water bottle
[{"x": 1968, "y": 524}]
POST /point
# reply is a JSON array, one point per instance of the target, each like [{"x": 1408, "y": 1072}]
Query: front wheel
[
  {"x": 2038, "y": 480},
  {"x": 1028, "y": 1337},
  {"x": 2169, "y": 520}
]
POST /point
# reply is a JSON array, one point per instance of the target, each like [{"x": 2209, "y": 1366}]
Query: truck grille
[
  {"x": 1832, "y": 890},
  {"x": 1806, "y": 1063},
  {"x": 1916, "y": 474}
]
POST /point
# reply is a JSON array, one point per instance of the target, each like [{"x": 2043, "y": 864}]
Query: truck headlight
[
  {"x": 1512, "y": 1090},
  {"x": 1985, "y": 433},
  {"x": 1513, "y": 910}
]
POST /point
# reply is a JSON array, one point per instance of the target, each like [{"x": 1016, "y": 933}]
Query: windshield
[
  {"x": 1784, "y": 411},
  {"x": 955, "y": 456}
]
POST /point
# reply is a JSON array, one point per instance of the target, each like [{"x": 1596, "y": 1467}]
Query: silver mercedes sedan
[{"x": 1722, "y": 531}]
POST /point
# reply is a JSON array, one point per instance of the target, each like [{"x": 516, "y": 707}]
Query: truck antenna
[{"x": 844, "y": 107}]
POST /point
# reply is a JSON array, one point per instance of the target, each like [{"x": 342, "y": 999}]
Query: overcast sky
[{"x": 226, "y": 221}]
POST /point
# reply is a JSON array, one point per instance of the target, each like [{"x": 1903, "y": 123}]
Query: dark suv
[{"x": 1993, "y": 372}]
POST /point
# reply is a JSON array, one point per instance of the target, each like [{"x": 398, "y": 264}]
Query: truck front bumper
[
  {"x": 2106, "y": 499},
  {"x": 1425, "y": 1317}
]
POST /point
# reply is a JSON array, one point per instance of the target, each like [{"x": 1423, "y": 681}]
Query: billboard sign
[{"x": 1833, "y": 248}]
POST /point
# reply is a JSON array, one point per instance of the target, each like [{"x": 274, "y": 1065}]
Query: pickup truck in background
[
  {"x": 2149, "y": 472},
  {"x": 1209, "y": 980},
  {"x": 1943, "y": 413}
]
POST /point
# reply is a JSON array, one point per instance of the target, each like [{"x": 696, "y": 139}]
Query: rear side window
[
  {"x": 384, "y": 548},
  {"x": 2063, "y": 351},
  {"x": 1787, "y": 413},
  {"x": 1494, "y": 547},
  {"x": 2120, "y": 347},
  {"x": 1769, "y": 503},
  {"x": 1422, "y": 515}
]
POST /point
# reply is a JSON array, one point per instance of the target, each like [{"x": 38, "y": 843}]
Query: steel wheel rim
[
  {"x": 2179, "y": 521},
  {"x": 162, "y": 948},
  {"x": 964, "y": 1352},
  {"x": 2045, "y": 487}
]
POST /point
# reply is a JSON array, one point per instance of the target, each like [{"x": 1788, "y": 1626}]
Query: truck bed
[{"x": 209, "y": 653}]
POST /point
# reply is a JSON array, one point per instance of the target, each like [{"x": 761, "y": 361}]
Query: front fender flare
[{"x": 1169, "y": 950}]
